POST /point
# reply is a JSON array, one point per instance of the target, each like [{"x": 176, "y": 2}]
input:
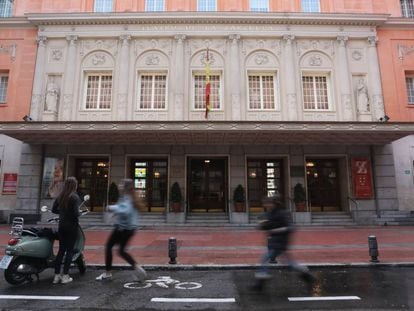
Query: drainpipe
[{"x": 374, "y": 184}]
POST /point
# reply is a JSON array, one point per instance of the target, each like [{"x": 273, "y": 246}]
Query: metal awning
[{"x": 207, "y": 132}]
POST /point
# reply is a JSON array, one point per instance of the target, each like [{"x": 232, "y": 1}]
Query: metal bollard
[
  {"x": 172, "y": 250},
  {"x": 373, "y": 248}
]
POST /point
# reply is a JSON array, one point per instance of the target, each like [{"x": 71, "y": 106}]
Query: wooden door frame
[{"x": 226, "y": 176}]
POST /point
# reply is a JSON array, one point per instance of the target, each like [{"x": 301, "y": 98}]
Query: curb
[{"x": 251, "y": 266}]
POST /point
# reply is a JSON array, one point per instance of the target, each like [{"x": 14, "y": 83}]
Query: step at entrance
[
  {"x": 207, "y": 219},
  {"x": 332, "y": 219}
]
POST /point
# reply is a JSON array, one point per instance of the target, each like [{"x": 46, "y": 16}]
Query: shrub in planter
[
  {"x": 176, "y": 197},
  {"x": 239, "y": 199},
  {"x": 299, "y": 197}
]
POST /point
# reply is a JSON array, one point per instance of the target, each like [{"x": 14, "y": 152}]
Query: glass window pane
[
  {"x": 6, "y": 8},
  {"x": 410, "y": 89},
  {"x": 407, "y": 8},
  {"x": 4, "y": 81},
  {"x": 310, "y": 6},
  {"x": 103, "y": 6},
  {"x": 154, "y": 5},
  {"x": 259, "y": 5},
  {"x": 206, "y": 5}
]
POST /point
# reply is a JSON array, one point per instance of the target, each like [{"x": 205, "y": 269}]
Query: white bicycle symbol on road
[{"x": 163, "y": 282}]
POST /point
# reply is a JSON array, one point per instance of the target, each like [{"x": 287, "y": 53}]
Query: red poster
[
  {"x": 9, "y": 183},
  {"x": 362, "y": 178}
]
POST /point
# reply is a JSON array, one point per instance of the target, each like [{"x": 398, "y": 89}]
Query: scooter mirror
[
  {"x": 43, "y": 208},
  {"x": 86, "y": 197}
]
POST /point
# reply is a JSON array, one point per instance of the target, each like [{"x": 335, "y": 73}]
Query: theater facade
[{"x": 295, "y": 99}]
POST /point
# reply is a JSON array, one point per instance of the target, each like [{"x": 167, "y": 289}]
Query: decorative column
[
  {"x": 36, "y": 104},
  {"x": 235, "y": 77},
  {"x": 123, "y": 81},
  {"x": 345, "y": 85},
  {"x": 178, "y": 112},
  {"x": 69, "y": 78},
  {"x": 377, "y": 102},
  {"x": 290, "y": 79}
]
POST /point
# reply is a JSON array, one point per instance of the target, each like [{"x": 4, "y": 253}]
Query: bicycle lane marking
[
  {"x": 33, "y": 297},
  {"x": 215, "y": 300},
  {"x": 293, "y": 299},
  {"x": 163, "y": 282}
]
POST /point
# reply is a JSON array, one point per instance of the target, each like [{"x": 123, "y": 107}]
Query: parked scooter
[{"x": 30, "y": 250}]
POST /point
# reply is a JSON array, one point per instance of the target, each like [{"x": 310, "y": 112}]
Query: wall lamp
[
  {"x": 27, "y": 118},
  {"x": 384, "y": 118}
]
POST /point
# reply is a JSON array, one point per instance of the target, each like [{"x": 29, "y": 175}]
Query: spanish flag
[{"x": 208, "y": 87}]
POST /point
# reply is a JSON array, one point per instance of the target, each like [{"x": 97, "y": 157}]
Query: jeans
[
  {"x": 121, "y": 237},
  {"x": 67, "y": 240}
]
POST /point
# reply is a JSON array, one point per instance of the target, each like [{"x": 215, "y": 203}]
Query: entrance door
[
  {"x": 207, "y": 184},
  {"x": 323, "y": 185},
  {"x": 150, "y": 179},
  {"x": 92, "y": 176}
]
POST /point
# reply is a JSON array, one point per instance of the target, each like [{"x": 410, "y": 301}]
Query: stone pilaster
[
  {"x": 178, "y": 108},
  {"x": 122, "y": 98},
  {"x": 235, "y": 77},
  {"x": 377, "y": 101},
  {"x": 344, "y": 77},
  {"x": 290, "y": 79},
  {"x": 70, "y": 68},
  {"x": 37, "y": 98}
]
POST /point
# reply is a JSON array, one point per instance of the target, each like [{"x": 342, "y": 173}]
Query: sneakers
[
  {"x": 140, "y": 273},
  {"x": 57, "y": 279},
  {"x": 104, "y": 277},
  {"x": 66, "y": 279}
]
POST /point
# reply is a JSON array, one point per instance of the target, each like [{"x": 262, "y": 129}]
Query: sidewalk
[{"x": 244, "y": 246}]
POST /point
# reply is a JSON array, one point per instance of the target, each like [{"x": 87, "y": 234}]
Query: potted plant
[
  {"x": 176, "y": 197},
  {"x": 239, "y": 199},
  {"x": 299, "y": 197},
  {"x": 113, "y": 193}
]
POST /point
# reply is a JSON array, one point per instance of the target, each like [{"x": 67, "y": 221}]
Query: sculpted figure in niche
[
  {"x": 52, "y": 95},
  {"x": 362, "y": 96}
]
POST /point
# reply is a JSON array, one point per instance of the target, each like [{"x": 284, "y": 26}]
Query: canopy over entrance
[{"x": 207, "y": 132}]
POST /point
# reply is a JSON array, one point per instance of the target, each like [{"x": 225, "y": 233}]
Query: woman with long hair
[
  {"x": 67, "y": 206},
  {"x": 126, "y": 222}
]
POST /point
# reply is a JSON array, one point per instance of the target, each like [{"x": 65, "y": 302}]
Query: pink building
[{"x": 296, "y": 98}]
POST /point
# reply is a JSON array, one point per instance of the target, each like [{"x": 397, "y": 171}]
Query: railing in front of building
[{"x": 354, "y": 213}]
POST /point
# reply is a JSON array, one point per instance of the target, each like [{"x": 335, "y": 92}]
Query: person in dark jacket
[
  {"x": 67, "y": 206},
  {"x": 278, "y": 228}
]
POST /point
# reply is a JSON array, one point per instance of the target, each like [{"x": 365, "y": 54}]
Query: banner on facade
[
  {"x": 362, "y": 178},
  {"x": 52, "y": 184},
  {"x": 9, "y": 183}
]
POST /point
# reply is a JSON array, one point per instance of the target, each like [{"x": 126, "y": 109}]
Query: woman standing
[
  {"x": 126, "y": 222},
  {"x": 67, "y": 206}
]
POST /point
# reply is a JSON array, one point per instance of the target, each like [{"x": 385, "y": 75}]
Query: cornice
[
  {"x": 207, "y": 18},
  {"x": 399, "y": 22},
  {"x": 10, "y": 22}
]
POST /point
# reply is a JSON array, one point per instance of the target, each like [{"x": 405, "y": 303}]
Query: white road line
[
  {"x": 218, "y": 300},
  {"x": 25, "y": 297},
  {"x": 324, "y": 298}
]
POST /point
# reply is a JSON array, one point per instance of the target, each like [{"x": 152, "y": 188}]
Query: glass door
[
  {"x": 207, "y": 184},
  {"x": 92, "y": 176},
  {"x": 150, "y": 180},
  {"x": 323, "y": 185}
]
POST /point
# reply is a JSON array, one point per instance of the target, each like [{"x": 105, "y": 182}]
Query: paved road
[{"x": 376, "y": 288}]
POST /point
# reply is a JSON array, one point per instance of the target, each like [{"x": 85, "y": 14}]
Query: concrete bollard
[
  {"x": 172, "y": 250},
  {"x": 373, "y": 248}
]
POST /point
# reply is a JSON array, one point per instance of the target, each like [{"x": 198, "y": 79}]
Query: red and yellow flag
[{"x": 208, "y": 87}]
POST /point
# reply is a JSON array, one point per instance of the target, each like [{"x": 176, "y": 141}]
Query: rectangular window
[
  {"x": 152, "y": 91},
  {"x": 6, "y": 8},
  {"x": 103, "y": 6},
  {"x": 410, "y": 89},
  {"x": 262, "y": 91},
  {"x": 259, "y": 5},
  {"x": 200, "y": 91},
  {"x": 315, "y": 92},
  {"x": 407, "y": 8},
  {"x": 206, "y": 5},
  {"x": 154, "y": 5},
  {"x": 311, "y": 6},
  {"x": 98, "y": 91},
  {"x": 4, "y": 81}
]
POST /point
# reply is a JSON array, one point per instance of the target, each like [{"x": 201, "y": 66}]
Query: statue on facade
[
  {"x": 362, "y": 96},
  {"x": 52, "y": 95}
]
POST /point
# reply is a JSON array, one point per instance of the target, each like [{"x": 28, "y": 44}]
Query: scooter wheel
[
  {"x": 80, "y": 262},
  {"x": 12, "y": 276}
]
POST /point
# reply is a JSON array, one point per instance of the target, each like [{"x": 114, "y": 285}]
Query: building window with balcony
[
  {"x": 310, "y": 6},
  {"x": 6, "y": 8},
  {"x": 98, "y": 95},
  {"x": 103, "y": 6},
  {"x": 259, "y": 5},
  {"x": 409, "y": 80},
  {"x": 154, "y": 5},
  {"x": 152, "y": 91},
  {"x": 407, "y": 8},
  {"x": 206, "y": 5},
  {"x": 262, "y": 91},
  {"x": 315, "y": 89},
  {"x": 4, "y": 82},
  {"x": 199, "y": 89}
]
